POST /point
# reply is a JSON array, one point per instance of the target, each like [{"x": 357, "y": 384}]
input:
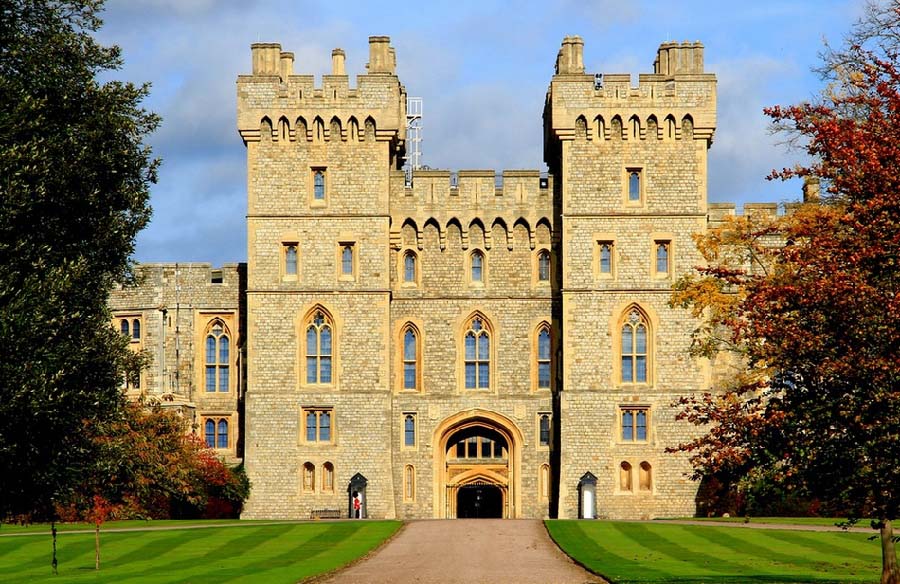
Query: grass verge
[
  {"x": 635, "y": 553},
  {"x": 246, "y": 553}
]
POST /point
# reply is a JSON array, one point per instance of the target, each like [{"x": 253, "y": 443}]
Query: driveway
[{"x": 468, "y": 551}]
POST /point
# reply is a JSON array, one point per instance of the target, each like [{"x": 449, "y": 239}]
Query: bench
[{"x": 325, "y": 514}]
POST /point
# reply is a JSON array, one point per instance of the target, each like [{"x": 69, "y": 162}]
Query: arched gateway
[{"x": 478, "y": 457}]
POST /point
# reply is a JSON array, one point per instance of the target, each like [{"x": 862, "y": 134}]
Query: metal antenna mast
[{"x": 413, "y": 136}]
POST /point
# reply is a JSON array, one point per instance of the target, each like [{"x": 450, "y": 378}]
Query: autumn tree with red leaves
[{"x": 806, "y": 307}]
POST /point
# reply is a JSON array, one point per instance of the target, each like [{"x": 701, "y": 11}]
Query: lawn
[
  {"x": 824, "y": 521},
  {"x": 249, "y": 552},
  {"x": 660, "y": 552}
]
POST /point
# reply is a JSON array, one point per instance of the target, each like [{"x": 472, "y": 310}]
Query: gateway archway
[{"x": 477, "y": 460}]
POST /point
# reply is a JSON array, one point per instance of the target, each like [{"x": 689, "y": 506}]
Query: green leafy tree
[
  {"x": 810, "y": 306},
  {"x": 74, "y": 180}
]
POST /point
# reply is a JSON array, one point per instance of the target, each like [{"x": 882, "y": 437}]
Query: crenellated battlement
[
  {"x": 675, "y": 102},
  {"x": 484, "y": 199},
  {"x": 293, "y": 108}
]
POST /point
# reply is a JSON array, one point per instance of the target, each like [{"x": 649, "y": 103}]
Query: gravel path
[{"x": 468, "y": 550}]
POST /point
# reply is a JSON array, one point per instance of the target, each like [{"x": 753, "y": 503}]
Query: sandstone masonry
[{"x": 458, "y": 344}]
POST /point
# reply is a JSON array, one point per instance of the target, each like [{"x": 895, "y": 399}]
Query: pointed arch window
[
  {"x": 477, "y": 346},
  {"x": 634, "y": 348},
  {"x": 544, "y": 481},
  {"x": 218, "y": 352},
  {"x": 410, "y": 267},
  {"x": 634, "y": 185},
  {"x": 410, "y": 359},
  {"x": 328, "y": 477},
  {"x": 662, "y": 257},
  {"x": 290, "y": 259},
  {"x": 409, "y": 430},
  {"x": 543, "y": 357},
  {"x": 543, "y": 266},
  {"x": 544, "y": 429},
  {"x": 409, "y": 482},
  {"x": 476, "y": 262},
  {"x": 319, "y": 348},
  {"x": 309, "y": 477}
]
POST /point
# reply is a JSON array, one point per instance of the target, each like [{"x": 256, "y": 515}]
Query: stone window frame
[
  {"x": 409, "y": 483},
  {"x": 462, "y": 329},
  {"x": 541, "y": 325},
  {"x": 217, "y": 418},
  {"x": 229, "y": 365},
  {"x": 538, "y": 418},
  {"x": 353, "y": 247},
  {"x": 625, "y": 475},
  {"x": 662, "y": 239},
  {"x": 627, "y": 172},
  {"x": 650, "y": 320},
  {"x": 136, "y": 344},
  {"x": 404, "y": 417},
  {"x": 543, "y": 481},
  {"x": 283, "y": 264},
  {"x": 305, "y": 411},
  {"x": 308, "y": 477},
  {"x": 327, "y": 474},
  {"x": 303, "y": 352},
  {"x": 203, "y": 323},
  {"x": 536, "y": 266},
  {"x": 621, "y": 410},
  {"x": 313, "y": 201},
  {"x": 401, "y": 268},
  {"x": 400, "y": 361},
  {"x": 601, "y": 239},
  {"x": 470, "y": 267}
]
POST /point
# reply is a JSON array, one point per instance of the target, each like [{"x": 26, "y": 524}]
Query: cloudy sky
[{"x": 482, "y": 68}]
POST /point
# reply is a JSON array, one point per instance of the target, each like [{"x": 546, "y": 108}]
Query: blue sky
[{"x": 482, "y": 68}]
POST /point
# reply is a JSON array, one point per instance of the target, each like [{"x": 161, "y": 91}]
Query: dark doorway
[{"x": 479, "y": 502}]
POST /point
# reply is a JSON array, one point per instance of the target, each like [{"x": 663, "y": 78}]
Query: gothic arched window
[
  {"x": 477, "y": 346},
  {"x": 543, "y": 357},
  {"x": 410, "y": 359},
  {"x": 319, "y": 339},
  {"x": 634, "y": 348},
  {"x": 218, "y": 350}
]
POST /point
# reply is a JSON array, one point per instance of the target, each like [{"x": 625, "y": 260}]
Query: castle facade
[{"x": 468, "y": 344}]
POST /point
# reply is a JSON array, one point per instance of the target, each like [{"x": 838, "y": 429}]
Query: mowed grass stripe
[
  {"x": 10, "y": 545},
  {"x": 603, "y": 559},
  {"x": 674, "y": 553},
  {"x": 840, "y": 544},
  {"x": 760, "y": 548},
  {"x": 273, "y": 554},
  {"x": 333, "y": 546},
  {"x": 636, "y": 553},
  {"x": 184, "y": 551},
  {"x": 232, "y": 546}
]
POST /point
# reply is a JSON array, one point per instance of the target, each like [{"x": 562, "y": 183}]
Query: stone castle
[{"x": 447, "y": 344}]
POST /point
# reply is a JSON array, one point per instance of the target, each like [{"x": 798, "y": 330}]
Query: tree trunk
[
  {"x": 890, "y": 574},
  {"x": 54, "y": 562},
  {"x": 97, "y": 546}
]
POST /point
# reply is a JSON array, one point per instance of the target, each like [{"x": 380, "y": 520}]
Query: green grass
[
  {"x": 658, "y": 552},
  {"x": 826, "y": 521},
  {"x": 15, "y": 529},
  {"x": 250, "y": 552}
]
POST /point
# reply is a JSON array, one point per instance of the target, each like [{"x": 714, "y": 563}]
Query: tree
[
  {"x": 808, "y": 305},
  {"x": 74, "y": 179}
]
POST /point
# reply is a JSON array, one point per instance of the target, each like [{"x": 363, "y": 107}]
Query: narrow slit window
[
  {"x": 544, "y": 266},
  {"x": 347, "y": 259},
  {"x": 634, "y": 185},
  {"x": 409, "y": 430},
  {"x": 319, "y": 185},
  {"x": 606, "y": 257},
  {"x": 410, "y": 360},
  {"x": 290, "y": 260},
  {"x": 409, "y": 267},
  {"x": 662, "y": 257},
  {"x": 543, "y": 358},
  {"x": 544, "y": 430},
  {"x": 477, "y": 262}
]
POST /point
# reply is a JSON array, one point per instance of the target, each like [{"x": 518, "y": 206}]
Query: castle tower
[
  {"x": 319, "y": 160},
  {"x": 631, "y": 165}
]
